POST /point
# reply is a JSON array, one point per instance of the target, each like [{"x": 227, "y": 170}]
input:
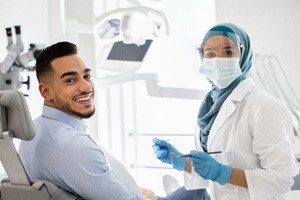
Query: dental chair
[
  {"x": 296, "y": 185},
  {"x": 16, "y": 122}
]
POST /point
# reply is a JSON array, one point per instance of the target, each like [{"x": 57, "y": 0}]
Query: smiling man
[
  {"x": 63, "y": 151},
  {"x": 70, "y": 89}
]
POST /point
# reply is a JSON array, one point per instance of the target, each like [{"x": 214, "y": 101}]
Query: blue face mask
[{"x": 221, "y": 71}]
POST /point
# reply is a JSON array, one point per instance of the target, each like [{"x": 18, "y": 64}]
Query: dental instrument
[
  {"x": 165, "y": 140},
  {"x": 172, "y": 154}
]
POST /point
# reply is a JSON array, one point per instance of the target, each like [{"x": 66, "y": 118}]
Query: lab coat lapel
[
  {"x": 226, "y": 110},
  {"x": 228, "y": 107}
]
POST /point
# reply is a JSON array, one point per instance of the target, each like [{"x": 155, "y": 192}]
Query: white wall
[{"x": 273, "y": 27}]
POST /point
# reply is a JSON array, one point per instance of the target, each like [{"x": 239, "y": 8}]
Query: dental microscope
[{"x": 16, "y": 62}]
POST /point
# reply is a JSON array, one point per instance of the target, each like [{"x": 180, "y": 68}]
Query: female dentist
[{"x": 252, "y": 129}]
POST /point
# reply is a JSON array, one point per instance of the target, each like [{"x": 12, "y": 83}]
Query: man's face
[{"x": 71, "y": 89}]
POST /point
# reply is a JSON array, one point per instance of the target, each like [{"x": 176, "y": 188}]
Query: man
[{"x": 63, "y": 151}]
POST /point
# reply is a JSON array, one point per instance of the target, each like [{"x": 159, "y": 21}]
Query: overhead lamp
[{"x": 133, "y": 25}]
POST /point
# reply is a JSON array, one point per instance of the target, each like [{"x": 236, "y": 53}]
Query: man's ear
[{"x": 45, "y": 91}]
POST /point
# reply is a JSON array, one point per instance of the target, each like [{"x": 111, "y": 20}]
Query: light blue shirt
[{"x": 63, "y": 153}]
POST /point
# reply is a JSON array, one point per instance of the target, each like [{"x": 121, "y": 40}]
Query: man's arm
[{"x": 85, "y": 170}]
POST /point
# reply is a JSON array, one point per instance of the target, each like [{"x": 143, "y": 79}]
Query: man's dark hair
[{"x": 47, "y": 55}]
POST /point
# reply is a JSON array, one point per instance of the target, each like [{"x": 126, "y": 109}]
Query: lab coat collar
[
  {"x": 229, "y": 107},
  {"x": 241, "y": 90}
]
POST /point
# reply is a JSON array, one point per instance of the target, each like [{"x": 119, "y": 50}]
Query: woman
[{"x": 252, "y": 129}]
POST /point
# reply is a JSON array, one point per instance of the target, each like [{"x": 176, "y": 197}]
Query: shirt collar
[{"x": 55, "y": 114}]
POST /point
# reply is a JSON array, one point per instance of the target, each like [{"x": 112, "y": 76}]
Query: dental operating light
[
  {"x": 132, "y": 25},
  {"x": 126, "y": 34}
]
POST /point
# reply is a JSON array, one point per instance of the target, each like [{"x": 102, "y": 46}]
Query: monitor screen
[
  {"x": 122, "y": 57},
  {"x": 128, "y": 52}
]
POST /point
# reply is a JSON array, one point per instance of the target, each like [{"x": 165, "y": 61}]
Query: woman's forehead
[{"x": 218, "y": 40}]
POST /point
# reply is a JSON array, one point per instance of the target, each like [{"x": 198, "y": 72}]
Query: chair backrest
[
  {"x": 296, "y": 185},
  {"x": 16, "y": 122}
]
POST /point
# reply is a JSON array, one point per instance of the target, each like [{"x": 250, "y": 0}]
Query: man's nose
[{"x": 85, "y": 85}]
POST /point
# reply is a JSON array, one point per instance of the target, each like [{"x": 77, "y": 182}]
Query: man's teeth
[{"x": 84, "y": 99}]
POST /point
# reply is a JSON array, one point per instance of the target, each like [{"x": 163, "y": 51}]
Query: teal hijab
[{"x": 213, "y": 101}]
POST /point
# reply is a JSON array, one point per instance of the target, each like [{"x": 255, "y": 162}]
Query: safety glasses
[{"x": 221, "y": 45}]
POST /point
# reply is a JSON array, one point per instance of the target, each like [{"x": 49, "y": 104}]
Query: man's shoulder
[
  {"x": 57, "y": 133},
  {"x": 45, "y": 123}
]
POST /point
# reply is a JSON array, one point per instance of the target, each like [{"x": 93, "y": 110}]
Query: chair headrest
[{"x": 15, "y": 115}]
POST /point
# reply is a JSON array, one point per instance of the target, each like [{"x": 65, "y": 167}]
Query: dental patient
[{"x": 63, "y": 151}]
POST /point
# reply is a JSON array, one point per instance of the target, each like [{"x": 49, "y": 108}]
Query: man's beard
[
  {"x": 82, "y": 115},
  {"x": 65, "y": 107}
]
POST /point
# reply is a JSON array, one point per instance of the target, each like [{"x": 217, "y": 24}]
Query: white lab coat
[{"x": 254, "y": 131}]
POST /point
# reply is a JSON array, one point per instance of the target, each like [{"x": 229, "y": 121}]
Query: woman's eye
[
  {"x": 229, "y": 53},
  {"x": 210, "y": 55}
]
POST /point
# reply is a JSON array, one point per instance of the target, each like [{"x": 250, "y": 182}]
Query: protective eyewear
[
  {"x": 221, "y": 45},
  {"x": 223, "y": 51}
]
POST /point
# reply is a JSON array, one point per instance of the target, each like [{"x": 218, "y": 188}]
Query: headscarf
[{"x": 213, "y": 101}]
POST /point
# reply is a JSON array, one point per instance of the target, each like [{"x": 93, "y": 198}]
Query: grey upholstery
[
  {"x": 17, "y": 114},
  {"x": 16, "y": 122},
  {"x": 296, "y": 185}
]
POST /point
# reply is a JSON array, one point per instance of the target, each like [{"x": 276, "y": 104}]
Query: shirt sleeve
[
  {"x": 272, "y": 133},
  {"x": 86, "y": 171}
]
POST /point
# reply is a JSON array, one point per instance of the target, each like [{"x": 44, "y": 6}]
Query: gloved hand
[
  {"x": 163, "y": 150},
  {"x": 209, "y": 168}
]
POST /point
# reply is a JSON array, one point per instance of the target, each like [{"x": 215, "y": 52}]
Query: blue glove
[
  {"x": 209, "y": 168},
  {"x": 163, "y": 150}
]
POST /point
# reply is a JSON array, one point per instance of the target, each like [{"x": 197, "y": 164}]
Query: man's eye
[
  {"x": 71, "y": 80},
  {"x": 88, "y": 76}
]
